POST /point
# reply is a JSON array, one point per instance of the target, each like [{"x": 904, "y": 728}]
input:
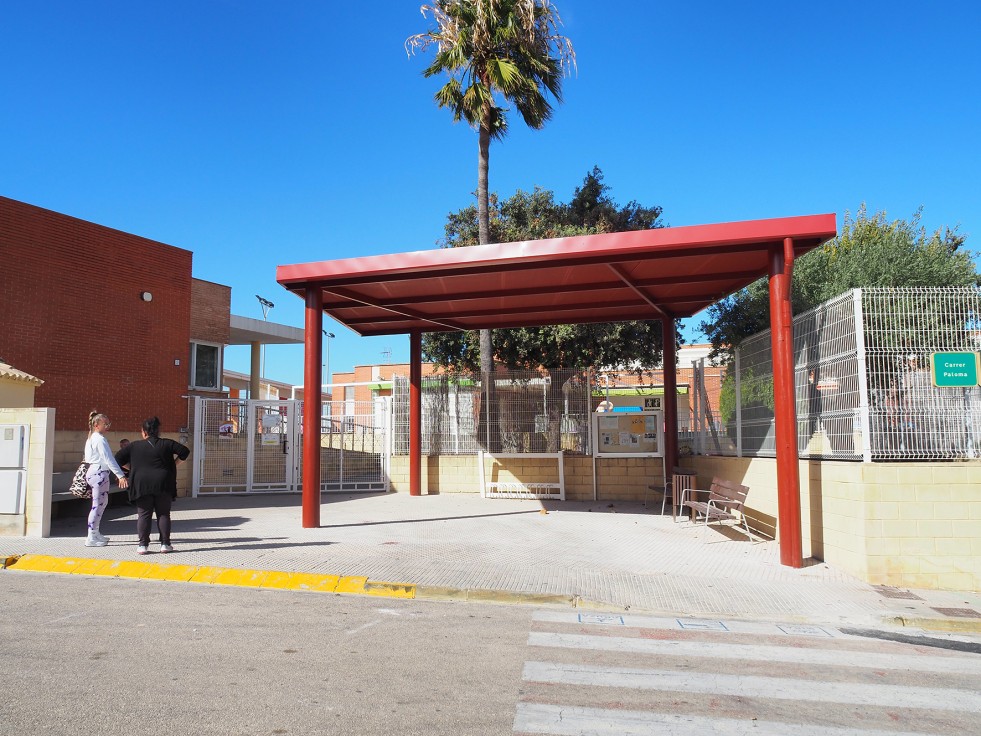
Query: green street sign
[{"x": 954, "y": 369}]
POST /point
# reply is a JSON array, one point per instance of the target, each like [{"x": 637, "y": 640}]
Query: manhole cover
[
  {"x": 959, "y": 612},
  {"x": 886, "y": 592}
]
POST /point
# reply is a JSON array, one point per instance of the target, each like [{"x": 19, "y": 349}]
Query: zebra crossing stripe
[
  {"x": 743, "y": 652},
  {"x": 690, "y": 624},
  {"x": 560, "y": 720},
  {"x": 780, "y": 688}
]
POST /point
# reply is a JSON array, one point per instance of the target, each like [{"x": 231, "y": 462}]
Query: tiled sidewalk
[{"x": 616, "y": 556}]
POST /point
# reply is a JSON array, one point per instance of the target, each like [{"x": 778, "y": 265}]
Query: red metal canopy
[{"x": 645, "y": 274}]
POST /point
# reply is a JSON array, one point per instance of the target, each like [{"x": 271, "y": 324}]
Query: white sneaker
[
  {"x": 101, "y": 537},
  {"x": 142, "y": 549},
  {"x": 92, "y": 541},
  {"x": 165, "y": 548}
]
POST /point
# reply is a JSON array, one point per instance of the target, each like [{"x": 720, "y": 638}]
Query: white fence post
[
  {"x": 739, "y": 409},
  {"x": 198, "y": 447},
  {"x": 863, "y": 377}
]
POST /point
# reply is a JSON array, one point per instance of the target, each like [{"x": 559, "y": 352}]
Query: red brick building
[{"x": 108, "y": 320}]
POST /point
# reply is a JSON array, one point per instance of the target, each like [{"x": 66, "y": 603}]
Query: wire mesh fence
[
  {"x": 910, "y": 416},
  {"x": 353, "y": 445},
  {"x": 529, "y": 412},
  {"x": 862, "y": 380},
  {"x": 246, "y": 446}
]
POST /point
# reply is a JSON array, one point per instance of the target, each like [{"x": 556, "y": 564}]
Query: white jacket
[{"x": 97, "y": 453}]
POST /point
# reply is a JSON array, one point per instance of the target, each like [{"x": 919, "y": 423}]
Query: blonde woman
[{"x": 101, "y": 463}]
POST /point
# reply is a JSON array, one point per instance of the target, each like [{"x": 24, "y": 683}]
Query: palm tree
[{"x": 506, "y": 48}]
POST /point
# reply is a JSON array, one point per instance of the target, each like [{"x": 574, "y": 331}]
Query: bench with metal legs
[{"x": 725, "y": 500}]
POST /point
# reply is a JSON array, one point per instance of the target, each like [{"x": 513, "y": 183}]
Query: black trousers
[{"x": 146, "y": 507}]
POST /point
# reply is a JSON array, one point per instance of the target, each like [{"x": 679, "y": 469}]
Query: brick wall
[
  {"x": 73, "y": 317},
  {"x": 210, "y": 311}
]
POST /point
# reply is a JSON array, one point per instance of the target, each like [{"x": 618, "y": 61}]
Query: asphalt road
[
  {"x": 104, "y": 656},
  {"x": 101, "y": 655}
]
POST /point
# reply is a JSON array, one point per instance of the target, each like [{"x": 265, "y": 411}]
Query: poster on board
[{"x": 637, "y": 433}]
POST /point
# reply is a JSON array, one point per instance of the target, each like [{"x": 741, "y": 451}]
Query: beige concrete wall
[
  {"x": 16, "y": 393},
  {"x": 914, "y": 525},
  {"x": 621, "y": 479},
  {"x": 36, "y": 519},
  {"x": 69, "y": 446}
]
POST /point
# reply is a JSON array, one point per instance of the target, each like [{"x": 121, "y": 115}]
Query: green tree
[
  {"x": 536, "y": 215},
  {"x": 870, "y": 251},
  {"x": 493, "y": 49}
]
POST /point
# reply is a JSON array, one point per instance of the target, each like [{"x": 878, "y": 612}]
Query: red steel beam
[
  {"x": 312, "y": 379},
  {"x": 415, "y": 413},
  {"x": 693, "y": 240},
  {"x": 350, "y": 300},
  {"x": 669, "y": 363},
  {"x": 644, "y": 296},
  {"x": 785, "y": 410},
  {"x": 402, "y": 312}
]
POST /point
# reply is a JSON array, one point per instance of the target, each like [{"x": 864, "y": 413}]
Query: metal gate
[{"x": 246, "y": 446}]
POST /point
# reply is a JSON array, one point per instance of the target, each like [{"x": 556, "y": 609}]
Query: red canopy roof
[{"x": 642, "y": 274}]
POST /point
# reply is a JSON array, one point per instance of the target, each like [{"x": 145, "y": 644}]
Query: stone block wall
[
  {"x": 617, "y": 479},
  {"x": 909, "y": 525},
  {"x": 36, "y": 519}
]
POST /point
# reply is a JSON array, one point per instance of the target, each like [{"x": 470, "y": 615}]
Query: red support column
[
  {"x": 415, "y": 413},
  {"x": 785, "y": 408},
  {"x": 312, "y": 379},
  {"x": 669, "y": 362}
]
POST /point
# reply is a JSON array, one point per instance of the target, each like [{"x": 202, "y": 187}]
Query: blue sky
[{"x": 258, "y": 133}]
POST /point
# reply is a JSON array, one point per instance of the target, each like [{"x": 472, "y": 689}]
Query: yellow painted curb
[
  {"x": 502, "y": 596},
  {"x": 46, "y": 563},
  {"x": 240, "y": 578},
  {"x": 32, "y": 563},
  {"x": 93, "y": 567},
  {"x": 479, "y": 595},
  {"x": 206, "y": 574},
  {"x": 132, "y": 569},
  {"x": 269, "y": 579},
  {"x": 175, "y": 573},
  {"x": 390, "y": 590},
  {"x": 439, "y": 593},
  {"x": 954, "y": 625},
  {"x": 351, "y": 585},
  {"x": 277, "y": 580},
  {"x": 313, "y": 582}
]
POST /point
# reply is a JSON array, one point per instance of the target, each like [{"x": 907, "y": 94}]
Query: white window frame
[{"x": 192, "y": 378}]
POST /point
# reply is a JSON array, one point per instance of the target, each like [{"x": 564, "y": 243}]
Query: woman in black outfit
[{"x": 152, "y": 465}]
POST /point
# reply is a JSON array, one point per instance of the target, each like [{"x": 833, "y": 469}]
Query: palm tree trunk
[
  {"x": 486, "y": 338},
  {"x": 483, "y": 189}
]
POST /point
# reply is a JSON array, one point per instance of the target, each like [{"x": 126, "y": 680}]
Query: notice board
[{"x": 625, "y": 434}]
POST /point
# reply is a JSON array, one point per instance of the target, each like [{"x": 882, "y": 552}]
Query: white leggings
[{"x": 99, "y": 480}]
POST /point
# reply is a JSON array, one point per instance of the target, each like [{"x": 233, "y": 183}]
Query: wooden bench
[{"x": 725, "y": 501}]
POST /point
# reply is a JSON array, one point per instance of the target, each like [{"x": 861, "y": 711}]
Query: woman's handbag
[{"x": 80, "y": 487}]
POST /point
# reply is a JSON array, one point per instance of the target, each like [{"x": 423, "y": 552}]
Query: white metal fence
[
  {"x": 862, "y": 381},
  {"x": 533, "y": 413},
  {"x": 252, "y": 446}
]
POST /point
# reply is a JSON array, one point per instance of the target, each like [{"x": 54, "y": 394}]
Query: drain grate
[
  {"x": 958, "y": 612},
  {"x": 886, "y": 592}
]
